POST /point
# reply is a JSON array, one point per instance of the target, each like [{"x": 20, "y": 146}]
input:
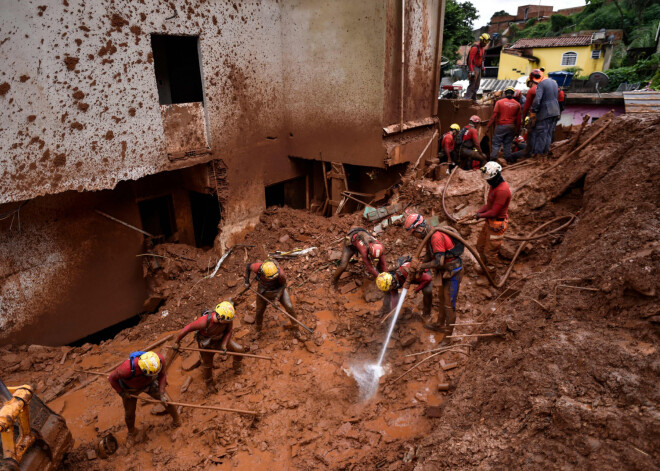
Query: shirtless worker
[
  {"x": 359, "y": 241},
  {"x": 143, "y": 372},
  {"x": 213, "y": 331},
  {"x": 443, "y": 257}
]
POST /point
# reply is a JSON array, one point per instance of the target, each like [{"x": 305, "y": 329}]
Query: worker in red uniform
[
  {"x": 475, "y": 62},
  {"x": 447, "y": 146},
  {"x": 359, "y": 241},
  {"x": 506, "y": 121},
  {"x": 495, "y": 212},
  {"x": 443, "y": 256},
  {"x": 272, "y": 286},
  {"x": 143, "y": 372},
  {"x": 213, "y": 331},
  {"x": 469, "y": 151},
  {"x": 391, "y": 281}
]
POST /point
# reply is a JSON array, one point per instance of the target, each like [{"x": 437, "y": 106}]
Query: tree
[
  {"x": 459, "y": 18},
  {"x": 501, "y": 13}
]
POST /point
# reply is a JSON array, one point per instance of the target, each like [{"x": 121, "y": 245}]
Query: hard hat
[
  {"x": 384, "y": 281},
  {"x": 491, "y": 170},
  {"x": 269, "y": 269},
  {"x": 485, "y": 37},
  {"x": 526, "y": 120},
  {"x": 455, "y": 127},
  {"x": 225, "y": 311},
  {"x": 413, "y": 222},
  {"x": 149, "y": 363},
  {"x": 536, "y": 75},
  {"x": 509, "y": 89},
  {"x": 475, "y": 119},
  {"x": 376, "y": 249}
]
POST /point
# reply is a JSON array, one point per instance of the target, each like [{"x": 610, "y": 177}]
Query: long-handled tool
[
  {"x": 280, "y": 309},
  {"x": 192, "y": 349},
  {"x": 195, "y": 406}
]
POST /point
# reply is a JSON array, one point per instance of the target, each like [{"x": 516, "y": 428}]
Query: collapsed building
[{"x": 182, "y": 121}]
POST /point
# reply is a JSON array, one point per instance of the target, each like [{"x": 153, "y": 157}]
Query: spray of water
[{"x": 368, "y": 375}]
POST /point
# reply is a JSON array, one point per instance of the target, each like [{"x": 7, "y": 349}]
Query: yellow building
[{"x": 590, "y": 52}]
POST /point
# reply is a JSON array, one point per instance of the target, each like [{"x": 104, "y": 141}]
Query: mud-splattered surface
[{"x": 571, "y": 384}]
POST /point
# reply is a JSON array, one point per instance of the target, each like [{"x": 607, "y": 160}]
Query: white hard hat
[{"x": 491, "y": 170}]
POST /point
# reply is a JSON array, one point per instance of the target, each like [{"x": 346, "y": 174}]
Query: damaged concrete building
[{"x": 185, "y": 119}]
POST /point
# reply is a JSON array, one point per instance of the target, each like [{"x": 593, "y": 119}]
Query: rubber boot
[{"x": 207, "y": 375}]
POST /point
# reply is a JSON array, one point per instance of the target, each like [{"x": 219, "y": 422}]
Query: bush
[{"x": 643, "y": 71}]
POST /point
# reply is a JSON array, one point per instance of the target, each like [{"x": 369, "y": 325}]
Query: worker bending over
[
  {"x": 447, "y": 146},
  {"x": 213, "y": 331},
  {"x": 469, "y": 150},
  {"x": 143, "y": 372},
  {"x": 443, "y": 257},
  {"x": 495, "y": 212},
  {"x": 272, "y": 286},
  {"x": 359, "y": 241},
  {"x": 391, "y": 281},
  {"x": 506, "y": 121}
]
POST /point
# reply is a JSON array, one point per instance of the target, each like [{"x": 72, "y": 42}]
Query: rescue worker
[
  {"x": 443, "y": 257},
  {"x": 475, "y": 66},
  {"x": 359, "y": 241},
  {"x": 470, "y": 150},
  {"x": 272, "y": 285},
  {"x": 213, "y": 331},
  {"x": 143, "y": 372},
  {"x": 506, "y": 121},
  {"x": 544, "y": 113},
  {"x": 391, "y": 281},
  {"x": 447, "y": 145},
  {"x": 495, "y": 212}
]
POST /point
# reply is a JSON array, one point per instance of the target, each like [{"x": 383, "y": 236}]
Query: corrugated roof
[
  {"x": 491, "y": 85},
  {"x": 526, "y": 43}
]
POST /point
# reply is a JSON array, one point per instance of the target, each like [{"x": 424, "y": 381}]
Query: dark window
[
  {"x": 157, "y": 216},
  {"x": 290, "y": 193},
  {"x": 206, "y": 218},
  {"x": 178, "y": 74}
]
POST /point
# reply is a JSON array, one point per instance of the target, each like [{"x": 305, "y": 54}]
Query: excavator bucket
[{"x": 34, "y": 438}]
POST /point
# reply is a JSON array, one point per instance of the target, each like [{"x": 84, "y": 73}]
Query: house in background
[
  {"x": 499, "y": 23},
  {"x": 590, "y": 52}
]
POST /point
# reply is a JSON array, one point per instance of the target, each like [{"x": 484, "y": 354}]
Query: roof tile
[{"x": 525, "y": 43}]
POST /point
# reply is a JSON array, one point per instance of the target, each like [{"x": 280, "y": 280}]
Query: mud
[{"x": 571, "y": 384}]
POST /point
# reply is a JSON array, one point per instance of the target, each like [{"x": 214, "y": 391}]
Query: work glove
[
  {"x": 532, "y": 119},
  {"x": 476, "y": 216}
]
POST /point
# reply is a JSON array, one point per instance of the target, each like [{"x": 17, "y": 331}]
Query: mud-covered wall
[{"x": 66, "y": 271}]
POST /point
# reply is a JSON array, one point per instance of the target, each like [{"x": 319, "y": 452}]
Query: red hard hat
[
  {"x": 376, "y": 250},
  {"x": 475, "y": 119},
  {"x": 413, "y": 222},
  {"x": 536, "y": 74}
]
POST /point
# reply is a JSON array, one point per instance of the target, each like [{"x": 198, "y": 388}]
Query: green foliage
[
  {"x": 655, "y": 81},
  {"x": 459, "y": 18},
  {"x": 501, "y": 13},
  {"x": 619, "y": 53},
  {"x": 643, "y": 36},
  {"x": 642, "y": 71},
  {"x": 559, "y": 22}
]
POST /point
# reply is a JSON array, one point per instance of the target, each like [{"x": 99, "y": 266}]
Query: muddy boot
[{"x": 207, "y": 376}]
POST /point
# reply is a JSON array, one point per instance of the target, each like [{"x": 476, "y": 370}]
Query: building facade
[{"x": 176, "y": 117}]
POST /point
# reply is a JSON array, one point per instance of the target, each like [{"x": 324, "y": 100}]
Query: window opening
[
  {"x": 569, "y": 58},
  {"x": 595, "y": 54},
  {"x": 178, "y": 74}
]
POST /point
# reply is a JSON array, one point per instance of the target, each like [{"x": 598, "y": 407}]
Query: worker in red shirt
[
  {"x": 272, "y": 285},
  {"x": 359, "y": 242},
  {"x": 447, "y": 146},
  {"x": 213, "y": 331},
  {"x": 143, "y": 372},
  {"x": 495, "y": 212},
  {"x": 470, "y": 154},
  {"x": 391, "y": 281},
  {"x": 443, "y": 256},
  {"x": 475, "y": 62},
  {"x": 506, "y": 121}
]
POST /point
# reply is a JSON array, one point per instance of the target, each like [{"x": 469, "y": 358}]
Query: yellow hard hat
[
  {"x": 485, "y": 37},
  {"x": 384, "y": 281},
  {"x": 225, "y": 311},
  {"x": 269, "y": 269},
  {"x": 510, "y": 89},
  {"x": 526, "y": 120},
  {"x": 455, "y": 127},
  {"x": 150, "y": 363}
]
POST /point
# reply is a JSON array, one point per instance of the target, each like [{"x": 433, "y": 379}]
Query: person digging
[
  {"x": 213, "y": 331},
  {"x": 443, "y": 257},
  {"x": 370, "y": 250},
  {"x": 391, "y": 282},
  {"x": 272, "y": 286},
  {"x": 143, "y": 372}
]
